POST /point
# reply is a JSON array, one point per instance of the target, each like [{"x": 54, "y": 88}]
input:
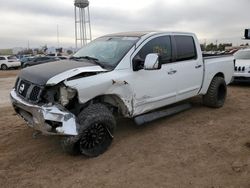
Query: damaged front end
[
  {"x": 47, "y": 104},
  {"x": 49, "y": 118}
]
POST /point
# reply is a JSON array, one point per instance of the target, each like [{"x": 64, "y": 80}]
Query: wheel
[
  {"x": 70, "y": 145},
  {"x": 216, "y": 94},
  {"x": 4, "y": 67},
  {"x": 97, "y": 125},
  {"x": 26, "y": 65}
]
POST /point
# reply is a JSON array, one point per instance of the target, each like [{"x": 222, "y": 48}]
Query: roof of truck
[
  {"x": 130, "y": 34},
  {"x": 140, "y": 33}
]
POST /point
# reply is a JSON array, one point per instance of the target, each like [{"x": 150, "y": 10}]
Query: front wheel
[
  {"x": 216, "y": 94},
  {"x": 97, "y": 125}
]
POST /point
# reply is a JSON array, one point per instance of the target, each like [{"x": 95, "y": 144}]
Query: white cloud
[{"x": 36, "y": 21}]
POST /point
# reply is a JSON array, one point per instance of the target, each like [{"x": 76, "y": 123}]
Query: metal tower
[{"x": 82, "y": 23}]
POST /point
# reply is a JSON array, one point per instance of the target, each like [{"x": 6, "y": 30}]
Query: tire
[
  {"x": 4, "y": 67},
  {"x": 97, "y": 125},
  {"x": 216, "y": 94},
  {"x": 25, "y": 66},
  {"x": 70, "y": 145}
]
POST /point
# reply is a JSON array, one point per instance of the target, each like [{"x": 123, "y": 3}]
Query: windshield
[
  {"x": 107, "y": 50},
  {"x": 242, "y": 55}
]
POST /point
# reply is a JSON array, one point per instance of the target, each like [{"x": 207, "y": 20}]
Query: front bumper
[
  {"x": 49, "y": 119},
  {"x": 242, "y": 77}
]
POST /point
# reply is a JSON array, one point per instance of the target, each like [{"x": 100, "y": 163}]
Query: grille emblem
[{"x": 21, "y": 88}]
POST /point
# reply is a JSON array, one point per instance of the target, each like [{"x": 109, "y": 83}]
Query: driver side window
[{"x": 160, "y": 45}]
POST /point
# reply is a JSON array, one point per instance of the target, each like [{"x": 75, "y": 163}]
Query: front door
[{"x": 153, "y": 88}]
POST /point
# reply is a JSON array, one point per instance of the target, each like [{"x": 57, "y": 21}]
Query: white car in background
[
  {"x": 7, "y": 62},
  {"x": 242, "y": 65}
]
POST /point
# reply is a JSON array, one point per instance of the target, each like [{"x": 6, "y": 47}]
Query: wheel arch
[
  {"x": 219, "y": 74},
  {"x": 115, "y": 102},
  {"x": 207, "y": 81}
]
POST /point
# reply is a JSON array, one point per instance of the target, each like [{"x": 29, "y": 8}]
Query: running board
[{"x": 146, "y": 118}]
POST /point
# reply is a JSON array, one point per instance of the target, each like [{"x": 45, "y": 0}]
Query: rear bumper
[{"x": 49, "y": 119}]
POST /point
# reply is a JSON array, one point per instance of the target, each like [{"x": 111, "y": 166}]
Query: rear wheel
[
  {"x": 216, "y": 94},
  {"x": 4, "y": 67}
]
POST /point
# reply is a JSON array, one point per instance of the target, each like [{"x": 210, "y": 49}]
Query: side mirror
[{"x": 152, "y": 62}]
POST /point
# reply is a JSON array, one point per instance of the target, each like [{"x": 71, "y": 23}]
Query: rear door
[{"x": 189, "y": 66}]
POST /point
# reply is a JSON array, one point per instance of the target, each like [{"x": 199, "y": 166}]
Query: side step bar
[{"x": 146, "y": 118}]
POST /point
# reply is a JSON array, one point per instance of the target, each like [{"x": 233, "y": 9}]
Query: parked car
[
  {"x": 39, "y": 60},
  {"x": 25, "y": 60},
  {"x": 58, "y": 55},
  {"x": 7, "y": 62},
  {"x": 242, "y": 65},
  {"x": 126, "y": 74},
  {"x": 62, "y": 57}
]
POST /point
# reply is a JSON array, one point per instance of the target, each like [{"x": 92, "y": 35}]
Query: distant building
[{"x": 6, "y": 51}]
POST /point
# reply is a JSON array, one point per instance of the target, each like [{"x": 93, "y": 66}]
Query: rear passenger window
[
  {"x": 185, "y": 48},
  {"x": 2, "y": 58}
]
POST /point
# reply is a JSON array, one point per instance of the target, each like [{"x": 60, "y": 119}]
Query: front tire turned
[
  {"x": 97, "y": 125},
  {"x": 216, "y": 94}
]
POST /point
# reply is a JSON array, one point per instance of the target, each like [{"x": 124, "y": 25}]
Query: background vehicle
[
  {"x": 126, "y": 74},
  {"x": 242, "y": 65},
  {"x": 39, "y": 60},
  {"x": 25, "y": 60},
  {"x": 62, "y": 57},
  {"x": 7, "y": 62}
]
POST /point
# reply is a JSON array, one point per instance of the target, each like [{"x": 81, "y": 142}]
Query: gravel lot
[{"x": 201, "y": 147}]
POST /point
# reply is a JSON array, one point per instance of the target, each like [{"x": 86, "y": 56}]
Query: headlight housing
[{"x": 66, "y": 94}]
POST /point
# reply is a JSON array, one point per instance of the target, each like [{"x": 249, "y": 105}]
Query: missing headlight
[{"x": 66, "y": 94}]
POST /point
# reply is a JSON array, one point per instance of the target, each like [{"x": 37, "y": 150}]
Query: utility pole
[{"x": 57, "y": 36}]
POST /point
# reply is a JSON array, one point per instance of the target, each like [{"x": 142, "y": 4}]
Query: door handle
[
  {"x": 172, "y": 72},
  {"x": 198, "y": 66}
]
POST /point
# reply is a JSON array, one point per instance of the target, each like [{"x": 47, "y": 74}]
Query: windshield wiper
[{"x": 95, "y": 60}]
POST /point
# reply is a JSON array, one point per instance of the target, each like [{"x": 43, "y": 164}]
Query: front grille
[
  {"x": 239, "y": 69},
  {"x": 35, "y": 93},
  {"x": 28, "y": 91}
]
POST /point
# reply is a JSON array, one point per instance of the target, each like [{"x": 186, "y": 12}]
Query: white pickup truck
[{"x": 128, "y": 74}]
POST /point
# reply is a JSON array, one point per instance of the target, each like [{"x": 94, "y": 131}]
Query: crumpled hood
[{"x": 55, "y": 72}]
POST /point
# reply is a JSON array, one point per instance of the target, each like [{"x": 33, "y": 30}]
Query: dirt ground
[
  {"x": 198, "y": 148},
  {"x": 8, "y": 73}
]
